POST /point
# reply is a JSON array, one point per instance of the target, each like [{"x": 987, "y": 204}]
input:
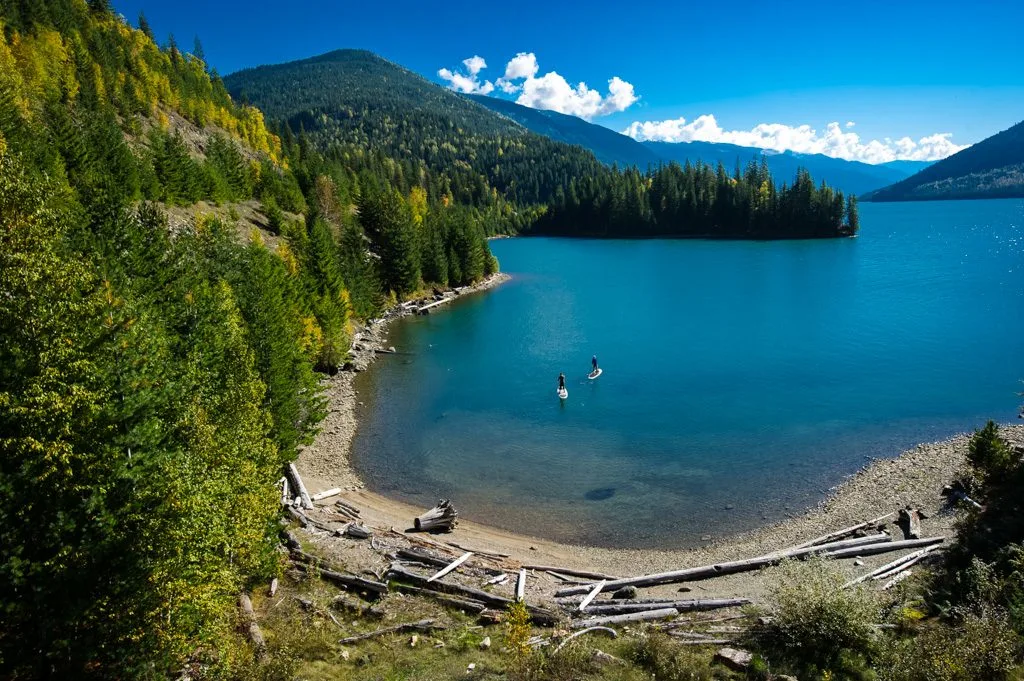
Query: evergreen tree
[
  {"x": 389, "y": 223},
  {"x": 145, "y": 27}
]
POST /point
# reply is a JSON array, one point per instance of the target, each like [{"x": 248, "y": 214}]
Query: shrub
[
  {"x": 816, "y": 625},
  {"x": 990, "y": 454},
  {"x": 658, "y": 654},
  {"x": 973, "y": 646}
]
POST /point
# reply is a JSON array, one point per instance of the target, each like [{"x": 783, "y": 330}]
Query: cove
[{"x": 741, "y": 380}]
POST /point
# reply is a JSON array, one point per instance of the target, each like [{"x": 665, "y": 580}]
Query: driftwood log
[
  {"x": 960, "y": 495},
  {"x": 592, "y": 595},
  {"x": 450, "y": 567},
  {"x": 910, "y": 523},
  {"x": 417, "y": 555},
  {"x": 315, "y": 566},
  {"x": 343, "y": 602},
  {"x": 521, "y": 586},
  {"x": 357, "y": 531},
  {"x": 896, "y": 565},
  {"x": 658, "y": 614},
  {"x": 441, "y": 518},
  {"x": 619, "y": 608},
  {"x": 293, "y": 473},
  {"x": 884, "y": 547},
  {"x": 569, "y": 571},
  {"x": 709, "y": 571},
  {"x": 251, "y": 627},
  {"x": 319, "y": 496},
  {"x": 399, "y": 573},
  {"x": 610, "y": 632},
  {"x": 464, "y": 604},
  {"x": 838, "y": 534},
  {"x": 422, "y": 625}
]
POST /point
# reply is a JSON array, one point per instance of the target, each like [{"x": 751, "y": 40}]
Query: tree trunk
[
  {"x": 661, "y": 613},
  {"x": 708, "y": 571},
  {"x": 252, "y": 628},
  {"x": 293, "y": 472},
  {"x": 441, "y": 518}
]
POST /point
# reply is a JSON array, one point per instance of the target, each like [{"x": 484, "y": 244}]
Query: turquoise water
[{"x": 741, "y": 379}]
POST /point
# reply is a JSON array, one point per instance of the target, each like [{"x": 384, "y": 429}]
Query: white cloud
[
  {"x": 468, "y": 82},
  {"x": 553, "y": 92},
  {"x": 474, "y": 64},
  {"x": 550, "y": 91},
  {"x": 802, "y": 139}
]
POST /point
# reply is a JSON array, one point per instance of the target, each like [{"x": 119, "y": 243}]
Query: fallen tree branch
[
  {"x": 895, "y": 565},
  {"x": 592, "y": 595},
  {"x": 831, "y": 536},
  {"x": 612, "y": 632},
  {"x": 422, "y": 625},
  {"x": 692, "y": 605}
]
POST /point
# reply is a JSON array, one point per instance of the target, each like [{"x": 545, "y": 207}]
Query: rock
[
  {"x": 486, "y": 643},
  {"x": 729, "y": 507},
  {"x": 625, "y": 592},
  {"x": 602, "y": 658},
  {"x": 344, "y": 654},
  {"x": 858, "y": 562},
  {"x": 733, "y": 658},
  {"x": 684, "y": 589},
  {"x": 470, "y": 667},
  {"x": 414, "y": 640},
  {"x": 786, "y": 677},
  {"x": 391, "y": 348},
  {"x": 705, "y": 537}
]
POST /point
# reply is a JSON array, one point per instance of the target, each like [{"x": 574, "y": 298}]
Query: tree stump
[
  {"x": 910, "y": 523},
  {"x": 441, "y": 518}
]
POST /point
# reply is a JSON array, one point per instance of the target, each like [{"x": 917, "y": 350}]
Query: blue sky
[{"x": 895, "y": 69}]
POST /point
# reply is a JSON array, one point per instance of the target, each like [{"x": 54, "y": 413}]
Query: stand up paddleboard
[
  {"x": 563, "y": 393},
  {"x": 595, "y": 373}
]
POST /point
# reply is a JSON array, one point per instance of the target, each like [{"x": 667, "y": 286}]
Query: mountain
[
  {"x": 350, "y": 101},
  {"x": 606, "y": 144},
  {"x": 992, "y": 168},
  {"x": 611, "y": 147}
]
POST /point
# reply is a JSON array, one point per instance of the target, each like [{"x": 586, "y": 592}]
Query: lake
[{"x": 741, "y": 380}]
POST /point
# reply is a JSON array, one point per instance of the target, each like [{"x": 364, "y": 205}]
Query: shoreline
[{"x": 913, "y": 478}]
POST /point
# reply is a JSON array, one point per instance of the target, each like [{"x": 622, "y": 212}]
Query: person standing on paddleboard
[
  {"x": 561, "y": 381},
  {"x": 593, "y": 360}
]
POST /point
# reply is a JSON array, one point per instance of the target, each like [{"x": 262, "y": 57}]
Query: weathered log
[
  {"x": 293, "y": 472},
  {"x": 343, "y": 602},
  {"x": 273, "y": 587},
  {"x": 291, "y": 541},
  {"x": 450, "y": 567},
  {"x": 592, "y": 595},
  {"x": 297, "y": 515},
  {"x": 737, "y": 660},
  {"x": 341, "y": 503},
  {"x": 350, "y": 581},
  {"x": 357, "y": 531},
  {"x": 910, "y": 523},
  {"x": 479, "y": 552},
  {"x": 400, "y": 574},
  {"x": 441, "y": 518},
  {"x": 565, "y": 578},
  {"x": 251, "y": 626},
  {"x": 422, "y": 625},
  {"x": 709, "y": 571},
  {"x": 619, "y": 608},
  {"x": 521, "y": 585},
  {"x": 884, "y": 547},
  {"x": 897, "y": 579},
  {"x": 832, "y": 536},
  {"x": 917, "y": 557},
  {"x": 897, "y": 565},
  {"x": 611, "y": 632},
  {"x": 500, "y": 579},
  {"x": 569, "y": 571},
  {"x": 285, "y": 499},
  {"x": 418, "y": 555},
  {"x": 327, "y": 493},
  {"x": 467, "y": 605},
  {"x": 620, "y": 619}
]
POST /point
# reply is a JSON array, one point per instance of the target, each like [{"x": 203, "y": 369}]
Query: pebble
[
  {"x": 486, "y": 643},
  {"x": 414, "y": 640}
]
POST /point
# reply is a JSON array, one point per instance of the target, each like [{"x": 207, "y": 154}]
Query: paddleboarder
[
  {"x": 593, "y": 361},
  {"x": 561, "y": 381}
]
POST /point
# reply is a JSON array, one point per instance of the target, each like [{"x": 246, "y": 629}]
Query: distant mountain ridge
[
  {"x": 990, "y": 169},
  {"x": 612, "y": 147}
]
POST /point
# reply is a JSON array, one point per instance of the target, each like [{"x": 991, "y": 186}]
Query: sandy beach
[{"x": 915, "y": 479}]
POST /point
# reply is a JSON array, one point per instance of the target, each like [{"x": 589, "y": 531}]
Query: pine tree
[
  {"x": 388, "y": 221},
  {"x": 145, "y": 27}
]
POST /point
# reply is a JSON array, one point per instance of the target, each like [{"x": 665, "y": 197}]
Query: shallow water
[{"x": 741, "y": 379}]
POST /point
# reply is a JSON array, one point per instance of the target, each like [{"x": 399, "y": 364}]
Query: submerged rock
[{"x": 600, "y": 494}]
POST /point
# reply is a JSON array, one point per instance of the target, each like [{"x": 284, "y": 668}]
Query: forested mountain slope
[{"x": 990, "y": 169}]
